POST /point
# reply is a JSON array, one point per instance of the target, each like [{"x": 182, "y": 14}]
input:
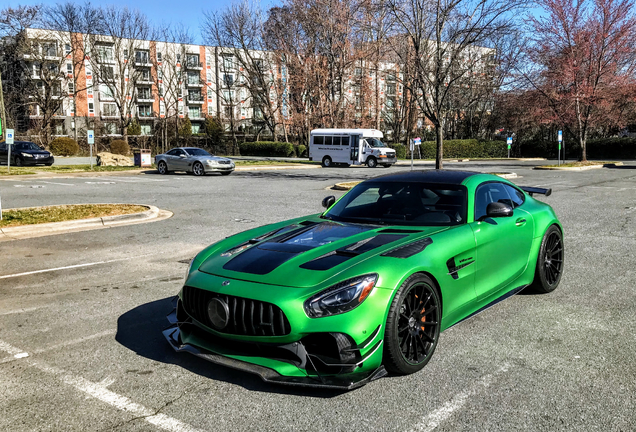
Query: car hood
[
  {"x": 33, "y": 152},
  {"x": 303, "y": 253},
  {"x": 215, "y": 158}
]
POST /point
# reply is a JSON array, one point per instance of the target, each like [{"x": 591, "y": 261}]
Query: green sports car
[{"x": 338, "y": 299}]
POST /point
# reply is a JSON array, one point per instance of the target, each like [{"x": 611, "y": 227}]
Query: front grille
[
  {"x": 247, "y": 317},
  {"x": 224, "y": 162},
  {"x": 390, "y": 154}
]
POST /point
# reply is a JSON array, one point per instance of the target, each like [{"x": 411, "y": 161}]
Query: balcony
[
  {"x": 145, "y": 115},
  {"x": 192, "y": 83},
  {"x": 145, "y": 81},
  {"x": 145, "y": 99},
  {"x": 109, "y": 116},
  {"x": 195, "y": 100},
  {"x": 193, "y": 65}
]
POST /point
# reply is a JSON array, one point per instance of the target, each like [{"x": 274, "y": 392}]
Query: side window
[
  {"x": 336, "y": 140},
  {"x": 516, "y": 195},
  {"x": 3, "y": 147},
  {"x": 344, "y": 141},
  {"x": 319, "y": 139},
  {"x": 328, "y": 140},
  {"x": 173, "y": 152},
  {"x": 487, "y": 193}
]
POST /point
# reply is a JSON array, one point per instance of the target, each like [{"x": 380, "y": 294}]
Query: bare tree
[
  {"x": 120, "y": 59},
  {"x": 450, "y": 40}
]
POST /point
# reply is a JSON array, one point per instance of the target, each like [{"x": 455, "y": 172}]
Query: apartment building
[{"x": 98, "y": 82}]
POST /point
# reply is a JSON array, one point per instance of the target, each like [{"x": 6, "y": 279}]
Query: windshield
[
  {"x": 197, "y": 152},
  {"x": 402, "y": 203},
  {"x": 26, "y": 146},
  {"x": 374, "y": 142}
]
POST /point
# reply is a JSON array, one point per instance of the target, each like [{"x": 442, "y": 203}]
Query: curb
[
  {"x": 51, "y": 228},
  {"x": 509, "y": 175},
  {"x": 344, "y": 186},
  {"x": 581, "y": 168}
]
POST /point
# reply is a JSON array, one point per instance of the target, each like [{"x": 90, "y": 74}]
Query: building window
[
  {"x": 258, "y": 114},
  {"x": 227, "y": 111},
  {"x": 194, "y": 112},
  {"x": 209, "y": 93},
  {"x": 91, "y": 108},
  {"x": 67, "y": 49},
  {"x": 159, "y": 57},
  {"x": 192, "y": 60},
  {"x": 105, "y": 92},
  {"x": 196, "y": 128},
  {"x": 228, "y": 96},
  {"x": 111, "y": 128},
  {"x": 180, "y": 109},
  {"x": 178, "y": 58},
  {"x": 105, "y": 54},
  {"x": 194, "y": 95},
  {"x": 69, "y": 68},
  {"x": 141, "y": 57},
  {"x": 71, "y": 88},
  {"x": 193, "y": 78},
  {"x": 162, "y": 109},
  {"x": 144, "y": 110},
  {"x": 89, "y": 90},
  {"x": 145, "y": 75},
  {"x": 209, "y": 76},
  {"x": 49, "y": 49},
  {"x": 228, "y": 63},
  {"x": 358, "y": 71},
  {"x": 109, "y": 110},
  {"x": 146, "y": 129},
  {"x": 144, "y": 93},
  {"x": 390, "y": 89},
  {"x": 107, "y": 73},
  {"x": 228, "y": 79}
]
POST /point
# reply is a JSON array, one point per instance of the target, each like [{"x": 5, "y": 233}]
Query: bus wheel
[
  {"x": 372, "y": 162},
  {"x": 326, "y": 162}
]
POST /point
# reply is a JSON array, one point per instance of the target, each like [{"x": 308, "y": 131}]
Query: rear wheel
[
  {"x": 162, "y": 167},
  {"x": 549, "y": 262},
  {"x": 412, "y": 326},
  {"x": 372, "y": 162},
  {"x": 326, "y": 162},
  {"x": 197, "y": 169}
]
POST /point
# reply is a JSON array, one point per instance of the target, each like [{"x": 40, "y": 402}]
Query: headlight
[
  {"x": 185, "y": 279},
  {"x": 26, "y": 154},
  {"x": 211, "y": 162},
  {"x": 341, "y": 297}
]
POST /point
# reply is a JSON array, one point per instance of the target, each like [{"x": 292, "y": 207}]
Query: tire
[
  {"x": 372, "y": 162},
  {"x": 17, "y": 161},
  {"x": 226, "y": 173},
  {"x": 162, "y": 167},
  {"x": 326, "y": 162},
  {"x": 409, "y": 345},
  {"x": 549, "y": 262},
  {"x": 387, "y": 165},
  {"x": 197, "y": 169}
]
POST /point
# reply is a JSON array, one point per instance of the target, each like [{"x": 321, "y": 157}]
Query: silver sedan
[{"x": 194, "y": 160}]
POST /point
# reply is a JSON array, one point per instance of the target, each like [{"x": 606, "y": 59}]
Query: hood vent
[{"x": 409, "y": 249}]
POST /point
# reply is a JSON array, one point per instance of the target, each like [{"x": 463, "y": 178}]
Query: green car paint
[{"x": 474, "y": 263}]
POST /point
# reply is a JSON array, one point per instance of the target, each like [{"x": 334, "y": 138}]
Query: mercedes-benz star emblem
[
  {"x": 225, "y": 283},
  {"x": 219, "y": 313}
]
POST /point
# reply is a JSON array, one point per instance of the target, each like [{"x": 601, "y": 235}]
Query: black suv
[{"x": 25, "y": 153}]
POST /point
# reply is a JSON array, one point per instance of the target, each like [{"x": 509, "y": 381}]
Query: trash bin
[{"x": 142, "y": 158}]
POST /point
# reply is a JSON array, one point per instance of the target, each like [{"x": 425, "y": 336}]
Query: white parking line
[
  {"x": 434, "y": 419},
  {"x": 72, "y": 266},
  {"x": 100, "y": 392},
  {"x": 54, "y": 183}
]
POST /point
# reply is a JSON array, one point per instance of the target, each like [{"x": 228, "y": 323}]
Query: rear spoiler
[{"x": 534, "y": 190}]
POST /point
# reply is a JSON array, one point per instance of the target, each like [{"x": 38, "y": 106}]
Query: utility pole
[{"x": 3, "y": 116}]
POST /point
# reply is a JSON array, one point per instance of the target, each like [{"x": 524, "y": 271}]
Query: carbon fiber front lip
[{"x": 345, "y": 382}]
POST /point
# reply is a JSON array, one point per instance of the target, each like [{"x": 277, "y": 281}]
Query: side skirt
[{"x": 492, "y": 303}]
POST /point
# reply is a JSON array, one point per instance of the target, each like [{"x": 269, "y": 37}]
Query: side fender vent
[{"x": 409, "y": 249}]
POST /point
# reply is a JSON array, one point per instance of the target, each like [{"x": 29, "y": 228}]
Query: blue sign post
[
  {"x": 9, "y": 142},
  {"x": 509, "y": 141},
  {"x": 560, "y": 141},
  {"x": 91, "y": 140},
  {"x": 416, "y": 141}
]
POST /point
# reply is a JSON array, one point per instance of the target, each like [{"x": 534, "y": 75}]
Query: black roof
[{"x": 427, "y": 176}]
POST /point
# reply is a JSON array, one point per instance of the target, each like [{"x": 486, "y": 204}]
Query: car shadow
[{"x": 140, "y": 329}]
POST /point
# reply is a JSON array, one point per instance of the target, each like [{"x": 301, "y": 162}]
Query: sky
[{"x": 188, "y": 12}]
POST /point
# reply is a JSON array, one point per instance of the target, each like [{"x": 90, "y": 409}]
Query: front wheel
[
  {"x": 197, "y": 169},
  {"x": 326, "y": 162},
  {"x": 412, "y": 326},
  {"x": 549, "y": 262},
  {"x": 162, "y": 167},
  {"x": 17, "y": 161},
  {"x": 372, "y": 162}
]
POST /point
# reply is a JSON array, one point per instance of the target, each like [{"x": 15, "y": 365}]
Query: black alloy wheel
[
  {"x": 372, "y": 162},
  {"x": 17, "y": 161},
  {"x": 162, "y": 167},
  {"x": 326, "y": 162},
  {"x": 549, "y": 262},
  {"x": 413, "y": 326},
  {"x": 197, "y": 169}
]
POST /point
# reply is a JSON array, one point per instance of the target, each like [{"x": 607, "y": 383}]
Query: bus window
[
  {"x": 328, "y": 140},
  {"x": 318, "y": 139},
  {"x": 336, "y": 141},
  {"x": 344, "y": 141}
]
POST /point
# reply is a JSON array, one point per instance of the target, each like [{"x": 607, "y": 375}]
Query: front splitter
[{"x": 345, "y": 382}]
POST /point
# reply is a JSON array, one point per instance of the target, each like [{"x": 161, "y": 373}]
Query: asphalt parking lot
[{"x": 81, "y": 316}]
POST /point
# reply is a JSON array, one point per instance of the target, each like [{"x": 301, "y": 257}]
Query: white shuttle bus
[{"x": 350, "y": 147}]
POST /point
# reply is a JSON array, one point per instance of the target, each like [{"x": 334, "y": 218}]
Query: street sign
[
  {"x": 9, "y": 136},
  {"x": 91, "y": 137},
  {"x": 509, "y": 142},
  {"x": 560, "y": 136},
  {"x": 417, "y": 141},
  {"x": 91, "y": 141}
]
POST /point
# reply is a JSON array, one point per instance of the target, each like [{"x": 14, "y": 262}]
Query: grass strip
[{"x": 61, "y": 213}]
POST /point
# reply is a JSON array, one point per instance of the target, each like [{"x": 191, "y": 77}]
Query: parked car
[
  {"x": 25, "y": 153},
  {"x": 338, "y": 299},
  {"x": 194, "y": 160}
]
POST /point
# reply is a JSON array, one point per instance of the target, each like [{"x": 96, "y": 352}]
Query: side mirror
[
  {"x": 498, "y": 209},
  {"x": 328, "y": 201},
  {"x": 182, "y": 155}
]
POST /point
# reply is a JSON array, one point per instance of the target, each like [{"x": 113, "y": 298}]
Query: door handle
[{"x": 520, "y": 222}]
